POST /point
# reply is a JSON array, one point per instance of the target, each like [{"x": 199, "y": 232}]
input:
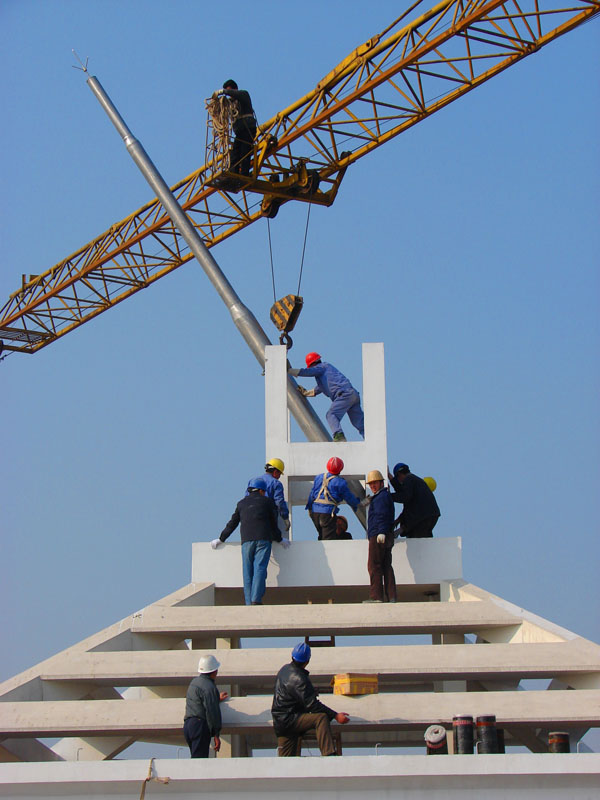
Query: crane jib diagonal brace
[{"x": 385, "y": 86}]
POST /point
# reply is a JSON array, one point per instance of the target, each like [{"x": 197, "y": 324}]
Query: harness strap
[{"x": 324, "y": 497}]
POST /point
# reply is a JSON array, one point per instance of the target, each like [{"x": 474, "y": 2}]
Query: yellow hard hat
[
  {"x": 374, "y": 475},
  {"x": 431, "y": 482},
  {"x": 275, "y": 463}
]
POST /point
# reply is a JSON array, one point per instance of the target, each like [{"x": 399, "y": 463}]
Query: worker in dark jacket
[
  {"x": 258, "y": 517},
  {"x": 244, "y": 129},
  {"x": 328, "y": 490},
  {"x": 202, "y": 713},
  {"x": 345, "y": 399},
  {"x": 296, "y": 708},
  {"x": 421, "y": 511},
  {"x": 380, "y": 532}
]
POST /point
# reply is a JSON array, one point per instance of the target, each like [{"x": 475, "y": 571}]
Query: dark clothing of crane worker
[
  {"x": 421, "y": 511},
  {"x": 328, "y": 491},
  {"x": 202, "y": 718},
  {"x": 258, "y": 517},
  {"x": 244, "y": 129},
  {"x": 296, "y": 708},
  {"x": 341, "y": 528},
  {"x": 330, "y": 382},
  {"x": 380, "y": 532}
]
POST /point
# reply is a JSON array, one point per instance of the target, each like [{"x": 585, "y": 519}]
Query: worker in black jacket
[
  {"x": 297, "y": 709},
  {"x": 421, "y": 511},
  {"x": 244, "y": 128},
  {"x": 258, "y": 517}
]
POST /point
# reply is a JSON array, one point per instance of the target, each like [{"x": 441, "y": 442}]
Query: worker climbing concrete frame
[{"x": 304, "y": 460}]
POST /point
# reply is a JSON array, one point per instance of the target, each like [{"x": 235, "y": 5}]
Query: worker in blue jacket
[
  {"x": 380, "y": 532},
  {"x": 273, "y": 471},
  {"x": 330, "y": 382},
  {"x": 328, "y": 491}
]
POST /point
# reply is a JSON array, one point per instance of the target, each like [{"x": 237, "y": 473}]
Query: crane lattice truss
[{"x": 384, "y": 87}]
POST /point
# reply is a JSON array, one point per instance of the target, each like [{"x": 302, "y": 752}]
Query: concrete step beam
[{"x": 538, "y": 709}]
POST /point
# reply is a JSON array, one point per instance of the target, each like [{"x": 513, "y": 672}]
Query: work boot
[{"x": 339, "y": 437}]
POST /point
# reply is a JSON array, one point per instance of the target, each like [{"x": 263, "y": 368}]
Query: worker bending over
[
  {"x": 380, "y": 532},
  {"x": 328, "y": 490},
  {"x": 202, "y": 713},
  {"x": 345, "y": 399},
  {"x": 273, "y": 471},
  {"x": 421, "y": 511},
  {"x": 296, "y": 708},
  {"x": 258, "y": 517}
]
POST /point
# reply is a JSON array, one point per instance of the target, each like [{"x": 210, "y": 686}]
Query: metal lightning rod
[{"x": 244, "y": 319}]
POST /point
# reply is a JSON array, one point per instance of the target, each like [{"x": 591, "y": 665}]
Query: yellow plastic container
[{"x": 355, "y": 683}]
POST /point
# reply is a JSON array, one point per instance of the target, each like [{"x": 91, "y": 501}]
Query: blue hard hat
[
  {"x": 257, "y": 483},
  {"x": 301, "y": 653},
  {"x": 400, "y": 467}
]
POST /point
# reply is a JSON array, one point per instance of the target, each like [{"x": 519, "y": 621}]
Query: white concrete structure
[
  {"x": 304, "y": 460},
  {"x": 128, "y": 682}
]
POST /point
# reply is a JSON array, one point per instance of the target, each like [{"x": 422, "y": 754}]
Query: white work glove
[
  {"x": 381, "y": 538},
  {"x": 306, "y": 392},
  {"x": 285, "y": 543},
  {"x": 215, "y": 543},
  {"x": 364, "y": 502},
  {"x": 293, "y": 372},
  {"x": 287, "y": 524}
]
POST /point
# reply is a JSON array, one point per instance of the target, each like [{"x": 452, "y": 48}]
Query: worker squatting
[
  {"x": 296, "y": 708},
  {"x": 258, "y": 515}
]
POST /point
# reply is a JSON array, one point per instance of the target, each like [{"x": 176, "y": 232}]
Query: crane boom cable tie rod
[{"x": 244, "y": 319}]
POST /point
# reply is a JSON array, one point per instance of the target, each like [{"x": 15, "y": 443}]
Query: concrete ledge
[
  {"x": 560, "y": 709},
  {"x": 416, "y": 561},
  {"x": 545, "y": 776},
  {"x": 328, "y": 619},
  {"x": 399, "y": 662}
]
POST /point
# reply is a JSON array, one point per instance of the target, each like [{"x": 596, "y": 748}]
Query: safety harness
[{"x": 324, "y": 497}]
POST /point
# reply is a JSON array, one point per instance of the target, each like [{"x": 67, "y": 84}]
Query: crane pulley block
[{"x": 284, "y": 314}]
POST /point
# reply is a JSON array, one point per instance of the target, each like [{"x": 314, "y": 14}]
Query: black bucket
[
  {"x": 462, "y": 727},
  {"x": 435, "y": 739},
  {"x": 559, "y": 742},
  {"x": 487, "y": 737}
]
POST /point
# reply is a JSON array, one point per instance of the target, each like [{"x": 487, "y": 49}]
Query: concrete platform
[
  {"x": 339, "y": 564},
  {"x": 531, "y": 776}
]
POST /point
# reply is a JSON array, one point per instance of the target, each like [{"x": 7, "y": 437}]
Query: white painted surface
[
  {"x": 551, "y": 777},
  {"x": 306, "y": 459},
  {"x": 416, "y": 561}
]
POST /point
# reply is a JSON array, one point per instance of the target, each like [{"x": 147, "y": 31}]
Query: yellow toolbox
[{"x": 350, "y": 683}]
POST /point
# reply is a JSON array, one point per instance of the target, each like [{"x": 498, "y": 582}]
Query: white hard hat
[{"x": 207, "y": 664}]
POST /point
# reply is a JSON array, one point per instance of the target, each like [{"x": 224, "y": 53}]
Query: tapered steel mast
[{"x": 244, "y": 319}]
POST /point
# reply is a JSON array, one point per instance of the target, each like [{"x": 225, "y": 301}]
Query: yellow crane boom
[{"x": 385, "y": 86}]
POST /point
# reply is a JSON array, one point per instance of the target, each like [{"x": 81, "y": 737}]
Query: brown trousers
[
  {"x": 291, "y": 743},
  {"x": 381, "y": 572}
]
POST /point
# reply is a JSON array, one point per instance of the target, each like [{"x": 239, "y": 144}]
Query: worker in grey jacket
[{"x": 202, "y": 713}]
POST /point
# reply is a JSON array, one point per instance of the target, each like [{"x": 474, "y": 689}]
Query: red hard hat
[
  {"x": 311, "y": 358},
  {"x": 335, "y": 465}
]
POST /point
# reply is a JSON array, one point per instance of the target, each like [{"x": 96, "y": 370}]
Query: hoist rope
[
  {"x": 304, "y": 245},
  {"x": 271, "y": 254}
]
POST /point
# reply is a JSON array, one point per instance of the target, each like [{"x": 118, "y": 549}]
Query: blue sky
[{"x": 469, "y": 246}]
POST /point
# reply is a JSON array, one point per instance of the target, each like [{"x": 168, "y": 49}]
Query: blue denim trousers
[{"x": 255, "y": 560}]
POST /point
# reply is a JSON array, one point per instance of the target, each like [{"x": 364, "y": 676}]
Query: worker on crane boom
[
  {"x": 345, "y": 399},
  {"x": 273, "y": 471},
  {"x": 244, "y": 128},
  {"x": 328, "y": 491}
]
